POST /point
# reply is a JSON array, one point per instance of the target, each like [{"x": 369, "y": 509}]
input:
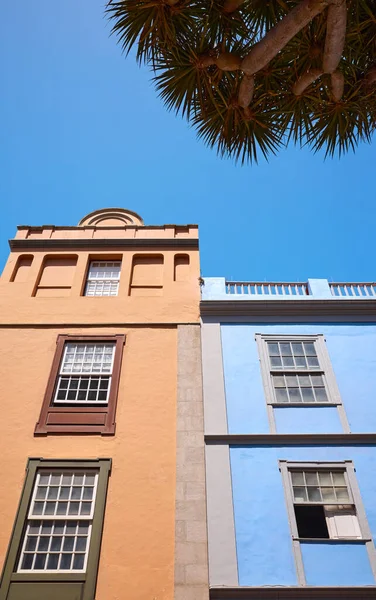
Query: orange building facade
[{"x": 102, "y": 438}]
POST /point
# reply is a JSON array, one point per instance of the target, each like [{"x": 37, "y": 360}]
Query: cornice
[
  {"x": 289, "y": 439},
  {"x": 290, "y": 593},
  {"x": 48, "y": 244},
  {"x": 300, "y": 307}
]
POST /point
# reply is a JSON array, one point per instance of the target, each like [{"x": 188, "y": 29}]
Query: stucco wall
[
  {"x": 138, "y": 543},
  {"x": 352, "y": 351},
  {"x": 263, "y": 537},
  {"x": 174, "y": 301}
]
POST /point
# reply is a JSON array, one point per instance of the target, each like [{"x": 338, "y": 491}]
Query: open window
[
  {"x": 82, "y": 389},
  {"x": 321, "y": 501},
  {"x": 323, "y": 504}
]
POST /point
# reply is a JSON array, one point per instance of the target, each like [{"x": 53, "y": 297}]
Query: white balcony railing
[
  {"x": 353, "y": 290},
  {"x": 255, "y": 288}
]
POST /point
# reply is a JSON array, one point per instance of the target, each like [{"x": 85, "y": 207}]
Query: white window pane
[
  {"x": 309, "y": 348},
  {"x": 103, "y": 279},
  {"x": 294, "y": 395},
  {"x": 281, "y": 395},
  {"x": 300, "y": 494},
  {"x": 49, "y": 544},
  {"x": 275, "y": 362},
  {"x": 86, "y": 360},
  {"x": 297, "y": 348},
  {"x": 285, "y": 349},
  {"x": 328, "y": 494},
  {"x": 314, "y": 494},
  {"x": 307, "y": 394},
  {"x": 287, "y": 361},
  {"x": 325, "y": 478},
  {"x": 273, "y": 349},
  {"x": 342, "y": 494},
  {"x": 311, "y": 478},
  {"x": 321, "y": 395},
  {"x": 338, "y": 478},
  {"x": 297, "y": 478},
  {"x": 312, "y": 362}
]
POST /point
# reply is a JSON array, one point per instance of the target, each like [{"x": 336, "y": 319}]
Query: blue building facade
[{"x": 289, "y": 380}]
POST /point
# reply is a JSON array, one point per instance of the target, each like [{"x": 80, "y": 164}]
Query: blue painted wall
[
  {"x": 263, "y": 536},
  {"x": 337, "y": 564},
  {"x": 352, "y": 350},
  {"x": 307, "y": 419}
]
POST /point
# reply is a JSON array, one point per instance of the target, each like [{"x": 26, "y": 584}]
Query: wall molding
[
  {"x": 279, "y": 308},
  {"x": 286, "y": 439},
  {"x": 48, "y": 244},
  {"x": 289, "y": 593}
]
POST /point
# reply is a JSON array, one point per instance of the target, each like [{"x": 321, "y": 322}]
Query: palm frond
[
  {"x": 235, "y": 134},
  {"x": 173, "y": 36}
]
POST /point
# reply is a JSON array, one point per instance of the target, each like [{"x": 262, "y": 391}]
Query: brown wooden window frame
[{"x": 80, "y": 419}]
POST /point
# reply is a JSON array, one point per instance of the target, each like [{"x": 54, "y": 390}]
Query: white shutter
[{"x": 342, "y": 522}]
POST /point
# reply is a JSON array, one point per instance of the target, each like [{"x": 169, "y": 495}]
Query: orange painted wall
[
  {"x": 178, "y": 303},
  {"x": 138, "y": 541},
  {"x": 137, "y": 557}
]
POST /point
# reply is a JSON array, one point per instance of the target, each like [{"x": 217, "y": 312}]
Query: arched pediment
[{"x": 111, "y": 217}]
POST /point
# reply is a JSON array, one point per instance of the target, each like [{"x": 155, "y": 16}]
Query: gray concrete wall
[{"x": 191, "y": 560}]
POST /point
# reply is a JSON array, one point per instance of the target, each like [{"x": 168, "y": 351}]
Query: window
[
  {"x": 103, "y": 278},
  {"x": 296, "y": 371},
  {"x": 59, "y": 523},
  {"x": 85, "y": 373},
  {"x": 323, "y": 504},
  {"x": 56, "y": 539},
  {"x": 324, "y": 501},
  {"x": 82, "y": 389}
]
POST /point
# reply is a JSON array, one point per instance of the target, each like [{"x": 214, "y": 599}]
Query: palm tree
[{"x": 251, "y": 75}]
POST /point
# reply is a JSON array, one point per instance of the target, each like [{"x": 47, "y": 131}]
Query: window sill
[
  {"x": 332, "y": 541},
  {"x": 32, "y": 576},
  {"x": 302, "y": 404}
]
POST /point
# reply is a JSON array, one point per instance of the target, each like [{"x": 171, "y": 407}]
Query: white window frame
[
  {"x": 348, "y": 468},
  {"x": 92, "y": 280},
  {"x": 334, "y": 503},
  {"x": 325, "y": 370},
  {"x": 84, "y": 375},
  {"x": 52, "y": 518}
]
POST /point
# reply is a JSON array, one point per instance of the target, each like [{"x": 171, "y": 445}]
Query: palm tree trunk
[
  {"x": 232, "y": 5},
  {"x": 338, "y": 85},
  {"x": 275, "y": 40},
  {"x": 371, "y": 76},
  {"x": 335, "y": 36},
  {"x": 305, "y": 80},
  {"x": 246, "y": 90}
]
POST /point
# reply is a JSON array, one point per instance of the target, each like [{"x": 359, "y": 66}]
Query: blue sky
[{"x": 82, "y": 128}]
